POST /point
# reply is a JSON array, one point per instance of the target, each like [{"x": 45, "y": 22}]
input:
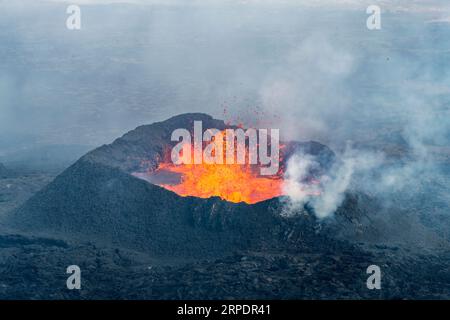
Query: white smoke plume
[
  {"x": 296, "y": 175},
  {"x": 326, "y": 193},
  {"x": 334, "y": 189}
]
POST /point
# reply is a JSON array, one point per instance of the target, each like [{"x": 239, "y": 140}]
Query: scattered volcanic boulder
[
  {"x": 98, "y": 199},
  {"x": 5, "y": 172}
]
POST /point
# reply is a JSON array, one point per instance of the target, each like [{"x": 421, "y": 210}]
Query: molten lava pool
[{"x": 234, "y": 183}]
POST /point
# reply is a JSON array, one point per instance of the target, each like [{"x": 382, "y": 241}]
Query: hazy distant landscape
[{"x": 80, "y": 111}]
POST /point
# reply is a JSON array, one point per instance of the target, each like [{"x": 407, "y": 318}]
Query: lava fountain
[
  {"x": 231, "y": 182},
  {"x": 234, "y": 182}
]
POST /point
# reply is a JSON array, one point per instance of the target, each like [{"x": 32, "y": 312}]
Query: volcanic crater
[
  {"x": 224, "y": 177},
  {"x": 121, "y": 194},
  {"x": 109, "y": 213}
]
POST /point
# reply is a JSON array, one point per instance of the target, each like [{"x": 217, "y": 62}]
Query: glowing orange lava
[{"x": 231, "y": 182}]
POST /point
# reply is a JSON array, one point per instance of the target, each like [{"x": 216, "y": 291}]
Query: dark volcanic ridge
[
  {"x": 5, "y": 172},
  {"x": 153, "y": 243},
  {"x": 98, "y": 199}
]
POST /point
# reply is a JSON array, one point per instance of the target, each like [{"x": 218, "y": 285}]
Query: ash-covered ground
[{"x": 136, "y": 240}]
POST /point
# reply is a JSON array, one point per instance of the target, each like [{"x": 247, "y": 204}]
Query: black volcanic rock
[
  {"x": 97, "y": 199},
  {"x": 136, "y": 240},
  {"x": 4, "y": 172},
  {"x": 90, "y": 201}
]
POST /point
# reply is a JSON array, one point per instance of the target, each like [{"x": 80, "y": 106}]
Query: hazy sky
[
  {"x": 310, "y": 67},
  {"x": 402, "y": 5}
]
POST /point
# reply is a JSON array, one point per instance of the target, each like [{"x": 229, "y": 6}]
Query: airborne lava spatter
[
  {"x": 234, "y": 182},
  {"x": 230, "y": 179}
]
